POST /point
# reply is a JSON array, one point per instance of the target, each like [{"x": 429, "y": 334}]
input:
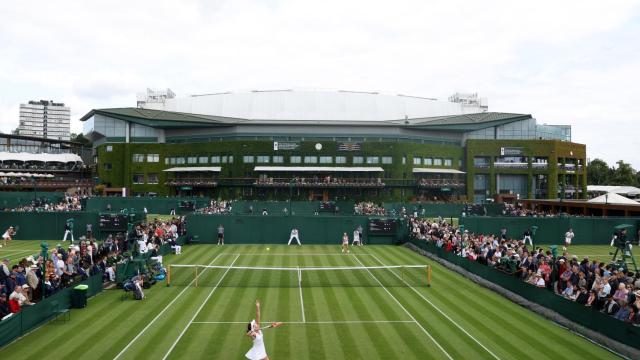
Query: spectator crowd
[
  {"x": 67, "y": 203},
  {"x": 368, "y": 208},
  {"x": 216, "y": 207},
  {"x": 596, "y": 285}
]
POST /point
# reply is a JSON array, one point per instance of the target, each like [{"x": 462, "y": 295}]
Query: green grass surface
[
  {"x": 19, "y": 249},
  {"x": 454, "y": 318}
]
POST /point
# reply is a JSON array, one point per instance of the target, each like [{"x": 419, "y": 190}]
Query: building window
[
  {"x": 326, "y": 160},
  {"x": 153, "y": 158},
  {"x": 448, "y": 162},
  {"x": 215, "y": 159},
  {"x": 230, "y": 159},
  {"x": 138, "y": 178},
  {"x": 203, "y": 160},
  {"x": 437, "y": 162},
  {"x": 247, "y": 159},
  {"x": 358, "y": 160},
  {"x": 192, "y": 160},
  {"x": 180, "y": 161},
  {"x": 428, "y": 161},
  {"x": 373, "y": 160},
  {"x": 387, "y": 160},
  {"x": 278, "y": 159},
  {"x": 138, "y": 158},
  {"x": 109, "y": 148},
  {"x": 404, "y": 160},
  {"x": 224, "y": 159},
  {"x": 310, "y": 159},
  {"x": 295, "y": 159},
  {"x": 262, "y": 159},
  {"x": 167, "y": 160},
  {"x": 173, "y": 160},
  {"x": 341, "y": 159},
  {"x": 107, "y": 166},
  {"x": 152, "y": 178},
  {"x": 417, "y": 161}
]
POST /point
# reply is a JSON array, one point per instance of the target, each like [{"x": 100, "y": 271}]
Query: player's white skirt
[{"x": 567, "y": 240}]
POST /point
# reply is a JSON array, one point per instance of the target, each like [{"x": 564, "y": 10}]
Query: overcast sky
[{"x": 564, "y": 62}]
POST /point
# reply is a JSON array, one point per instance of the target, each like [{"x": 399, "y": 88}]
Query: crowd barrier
[
  {"x": 32, "y": 316},
  {"x": 48, "y": 225},
  {"x": 551, "y": 230},
  {"x": 594, "y": 320},
  {"x": 247, "y": 229}
]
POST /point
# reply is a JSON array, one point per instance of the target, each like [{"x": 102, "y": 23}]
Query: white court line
[
  {"x": 198, "y": 311},
  {"x": 159, "y": 314},
  {"x": 301, "y": 300},
  {"x": 314, "y": 322},
  {"x": 405, "y": 310},
  {"x": 440, "y": 311},
  {"x": 288, "y": 254}
]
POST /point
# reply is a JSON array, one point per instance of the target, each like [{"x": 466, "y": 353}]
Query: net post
[
  {"x": 169, "y": 276},
  {"x": 196, "y": 275},
  {"x": 429, "y": 275}
]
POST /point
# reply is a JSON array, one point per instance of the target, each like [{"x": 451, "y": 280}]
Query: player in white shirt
[
  {"x": 8, "y": 235},
  {"x": 568, "y": 236},
  {"x": 345, "y": 243},
  {"x": 294, "y": 235},
  {"x": 258, "y": 351},
  {"x": 356, "y": 238}
]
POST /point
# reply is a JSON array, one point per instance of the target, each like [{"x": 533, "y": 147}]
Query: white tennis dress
[
  {"x": 6, "y": 235},
  {"x": 257, "y": 351}
]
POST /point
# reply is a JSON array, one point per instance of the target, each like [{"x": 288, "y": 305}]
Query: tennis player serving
[{"x": 254, "y": 331}]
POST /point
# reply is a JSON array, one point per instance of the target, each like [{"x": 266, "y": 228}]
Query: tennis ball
[{"x": 268, "y": 249}]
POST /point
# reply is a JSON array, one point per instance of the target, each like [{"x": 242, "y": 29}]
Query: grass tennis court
[{"x": 454, "y": 318}]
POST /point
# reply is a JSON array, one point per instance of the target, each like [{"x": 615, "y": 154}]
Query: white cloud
[{"x": 572, "y": 62}]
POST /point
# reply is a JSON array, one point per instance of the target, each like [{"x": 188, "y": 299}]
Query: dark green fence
[
  {"x": 607, "y": 325},
  {"x": 47, "y": 225},
  {"x": 32, "y": 316},
  {"x": 552, "y": 230},
  {"x": 13, "y": 199},
  {"x": 246, "y": 229},
  {"x": 155, "y": 205}
]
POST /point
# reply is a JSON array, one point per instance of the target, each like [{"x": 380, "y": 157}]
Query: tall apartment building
[{"x": 45, "y": 119}]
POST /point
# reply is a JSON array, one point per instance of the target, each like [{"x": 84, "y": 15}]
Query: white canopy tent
[
  {"x": 436, "y": 171},
  {"x": 614, "y": 199},
  {"x": 622, "y": 190},
  {"x": 44, "y": 157},
  {"x": 194, "y": 169}
]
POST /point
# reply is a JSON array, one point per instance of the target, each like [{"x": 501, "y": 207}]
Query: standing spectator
[
  {"x": 220, "y": 234},
  {"x": 89, "y": 231}
]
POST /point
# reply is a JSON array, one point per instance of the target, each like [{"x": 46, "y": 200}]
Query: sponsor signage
[
  {"x": 506, "y": 151},
  {"x": 285, "y": 145},
  {"x": 349, "y": 146}
]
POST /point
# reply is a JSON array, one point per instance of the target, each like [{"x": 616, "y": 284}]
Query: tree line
[{"x": 600, "y": 173}]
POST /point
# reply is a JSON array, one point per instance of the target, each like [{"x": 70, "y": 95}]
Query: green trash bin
[{"x": 79, "y": 297}]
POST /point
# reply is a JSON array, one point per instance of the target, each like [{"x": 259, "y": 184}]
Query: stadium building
[{"x": 321, "y": 145}]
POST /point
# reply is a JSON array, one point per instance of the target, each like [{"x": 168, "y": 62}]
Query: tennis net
[{"x": 285, "y": 277}]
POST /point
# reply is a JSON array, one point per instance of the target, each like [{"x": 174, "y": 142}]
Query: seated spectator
[
  {"x": 4, "y": 306},
  {"x": 623, "y": 311},
  {"x": 18, "y": 295},
  {"x": 611, "y": 306},
  {"x": 621, "y": 293}
]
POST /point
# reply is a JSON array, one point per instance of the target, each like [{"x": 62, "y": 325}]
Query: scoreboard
[
  {"x": 384, "y": 227},
  {"x": 114, "y": 222}
]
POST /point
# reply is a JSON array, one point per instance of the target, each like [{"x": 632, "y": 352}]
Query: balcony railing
[
  {"x": 539, "y": 166},
  {"x": 511, "y": 165},
  {"x": 204, "y": 183},
  {"x": 55, "y": 184},
  {"x": 439, "y": 183},
  {"x": 319, "y": 183}
]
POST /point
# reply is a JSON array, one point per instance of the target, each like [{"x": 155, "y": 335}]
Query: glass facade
[{"x": 523, "y": 130}]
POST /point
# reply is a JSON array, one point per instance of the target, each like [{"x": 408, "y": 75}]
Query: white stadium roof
[
  {"x": 292, "y": 104},
  {"x": 613, "y": 198},
  {"x": 623, "y": 190},
  {"x": 44, "y": 157}
]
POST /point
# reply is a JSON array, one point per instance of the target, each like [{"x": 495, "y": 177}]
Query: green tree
[
  {"x": 598, "y": 172},
  {"x": 624, "y": 175},
  {"x": 80, "y": 138}
]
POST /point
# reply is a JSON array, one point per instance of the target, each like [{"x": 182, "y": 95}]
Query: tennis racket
[
  {"x": 15, "y": 229},
  {"x": 272, "y": 325}
]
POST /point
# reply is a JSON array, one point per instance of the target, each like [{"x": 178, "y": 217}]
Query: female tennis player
[
  {"x": 254, "y": 331},
  {"x": 345, "y": 243},
  {"x": 8, "y": 235}
]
